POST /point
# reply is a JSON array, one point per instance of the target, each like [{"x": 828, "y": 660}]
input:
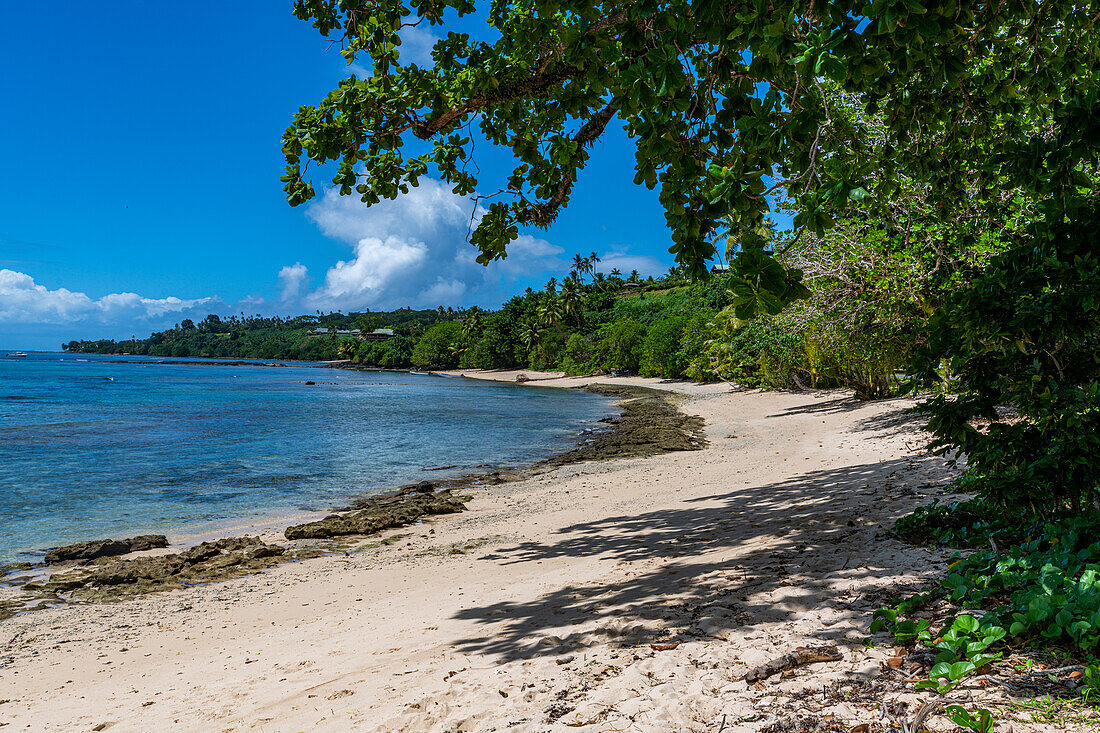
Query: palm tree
[
  {"x": 551, "y": 285},
  {"x": 550, "y": 312},
  {"x": 590, "y": 266},
  {"x": 616, "y": 272},
  {"x": 634, "y": 276},
  {"x": 571, "y": 303},
  {"x": 580, "y": 266},
  {"x": 346, "y": 349},
  {"x": 599, "y": 280},
  {"x": 530, "y": 335},
  {"x": 332, "y": 331},
  {"x": 471, "y": 325}
]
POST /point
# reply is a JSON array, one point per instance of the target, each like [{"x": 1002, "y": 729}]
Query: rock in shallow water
[{"x": 105, "y": 548}]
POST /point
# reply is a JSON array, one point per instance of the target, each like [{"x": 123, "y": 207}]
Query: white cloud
[
  {"x": 644, "y": 264},
  {"x": 414, "y": 251},
  {"x": 291, "y": 279},
  {"x": 24, "y": 301},
  {"x": 416, "y": 48},
  {"x": 376, "y": 266}
]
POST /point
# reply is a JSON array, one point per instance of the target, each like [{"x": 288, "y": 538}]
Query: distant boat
[{"x": 18, "y": 353}]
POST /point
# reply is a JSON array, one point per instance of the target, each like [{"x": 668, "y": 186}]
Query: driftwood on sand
[{"x": 793, "y": 659}]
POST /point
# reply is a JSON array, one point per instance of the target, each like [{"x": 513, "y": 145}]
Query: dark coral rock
[
  {"x": 379, "y": 513},
  {"x": 83, "y": 551},
  {"x": 113, "y": 578}
]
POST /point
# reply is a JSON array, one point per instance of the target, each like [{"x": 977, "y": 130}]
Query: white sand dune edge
[{"x": 628, "y": 595}]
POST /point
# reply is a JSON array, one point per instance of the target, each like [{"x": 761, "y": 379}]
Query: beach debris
[
  {"x": 797, "y": 658},
  {"x": 104, "y": 548},
  {"x": 114, "y": 578},
  {"x": 381, "y": 512}
]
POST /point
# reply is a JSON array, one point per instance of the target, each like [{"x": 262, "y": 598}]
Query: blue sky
[{"x": 142, "y": 186}]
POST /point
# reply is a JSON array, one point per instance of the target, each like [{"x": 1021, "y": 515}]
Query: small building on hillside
[
  {"x": 378, "y": 334},
  {"x": 338, "y": 332}
]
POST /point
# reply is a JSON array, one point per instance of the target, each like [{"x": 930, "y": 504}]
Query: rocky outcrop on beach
[
  {"x": 113, "y": 578},
  {"x": 105, "y": 548},
  {"x": 651, "y": 423},
  {"x": 377, "y": 513}
]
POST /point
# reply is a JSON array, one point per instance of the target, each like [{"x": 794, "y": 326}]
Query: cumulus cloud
[
  {"x": 414, "y": 251},
  {"x": 22, "y": 300},
  {"x": 291, "y": 279}
]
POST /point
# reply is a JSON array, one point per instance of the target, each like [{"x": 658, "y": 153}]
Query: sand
[{"x": 625, "y": 595}]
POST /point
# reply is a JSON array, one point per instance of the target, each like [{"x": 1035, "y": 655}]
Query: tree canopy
[
  {"x": 725, "y": 102},
  {"x": 982, "y": 115}
]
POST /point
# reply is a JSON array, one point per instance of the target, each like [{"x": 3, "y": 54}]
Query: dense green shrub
[
  {"x": 436, "y": 346},
  {"x": 694, "y": 341},
  {"x": 498, "y": 346},
  {"x": 621, "y": 345},
  {"x": 662, "y": 351},
  {"x": 763, "y": 352},
  {"x": 578, "y": 356},
  {"x": 1025, "y": 334},
  {"x": 395, "y": 353}
]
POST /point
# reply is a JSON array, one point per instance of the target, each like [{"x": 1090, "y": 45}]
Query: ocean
[{"x": 102, "y": 446}]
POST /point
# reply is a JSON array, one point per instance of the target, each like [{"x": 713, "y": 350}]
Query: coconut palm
[
  {"x": 550, "y": 312},
  {"x": 471, "y": 324},
  {"x": 571, "y": 303},
  {"x": 580, "y": 266},
  {"x": 346, "y": 349},
  {"x": 530, "y": 335}
]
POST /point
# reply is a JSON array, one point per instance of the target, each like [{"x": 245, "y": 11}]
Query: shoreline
[
  {"x": 627, "y": 595},
  {"x": 25, "y": 587},
  {"x": 191, "y": 533}
]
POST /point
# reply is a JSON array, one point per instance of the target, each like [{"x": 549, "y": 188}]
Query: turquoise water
[{"x": 95, "y": 446}]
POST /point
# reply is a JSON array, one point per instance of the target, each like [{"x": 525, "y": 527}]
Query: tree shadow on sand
[{"x": 815, "y": 529}]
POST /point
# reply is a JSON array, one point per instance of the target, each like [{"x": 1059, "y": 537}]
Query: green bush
[
  {"x": 395, "y": 353},
  {"x": 662, "y": 352},
  {"x": 498, "y": 345},
  {"x": 621, "y": 345},
  {"x": 578, "y": 355},
  {"x": 1025, "y": 333},
  {"x": 694, "y": 340},
  {"x": 436, "y": 347}
]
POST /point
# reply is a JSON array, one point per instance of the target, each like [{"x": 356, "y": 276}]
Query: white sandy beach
[{"x": 626, "y": 595}]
